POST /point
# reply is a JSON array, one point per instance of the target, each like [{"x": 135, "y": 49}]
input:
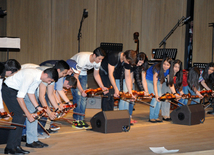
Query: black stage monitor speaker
[
  {"x": 93, "y": 103},
  {"x": 188, "y": 114},
  {"x": 111, "y": 121}
]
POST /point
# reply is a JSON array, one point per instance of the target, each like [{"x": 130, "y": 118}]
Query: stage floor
[{"x": 194, "y": 139}]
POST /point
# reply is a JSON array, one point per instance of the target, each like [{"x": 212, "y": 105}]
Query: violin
[
  {"x": 127, "y": 97},
  {"x": 99, "y": 90},
  {"x": 94, "y": 92},
  {"x": 89, "y": 92},
  {"x": 65, "y": 110},
  {"x": 40, "y": 114},
  {"x": 167, "y": 96},
  {"x": 206, "y": 92},
  {"x": 5, "y": 114},
  {"x": 141, "y": 94}
]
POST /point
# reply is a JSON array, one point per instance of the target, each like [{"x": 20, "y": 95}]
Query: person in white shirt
[
  {"x": 31, "y": 127},
  {"x": 14, "y": 90},
  {"x": 85, "y": 61},
  {"x": 7, "y": 69}
]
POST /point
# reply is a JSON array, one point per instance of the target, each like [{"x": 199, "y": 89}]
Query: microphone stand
[
  {"x": 163, "y": 42},
  {"x": 84, "y": 15}
]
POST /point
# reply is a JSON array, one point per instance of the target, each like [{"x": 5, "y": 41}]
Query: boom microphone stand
[
  {"x": 84, "y": 15},
  {"x": 163, "y": 42}
]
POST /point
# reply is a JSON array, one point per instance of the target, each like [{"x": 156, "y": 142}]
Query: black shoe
[
  {"x": 210, "y": 112},
  {"x": 24, "y": 138},
  {"x": 11, "y": 151},
  {"x": 34, "y": 145},
  {"x": 20, "y": 150},
  {"x": 152, "y": 120},
  {"x": 158, "y": 120},
  {"x": 167, "y": 119},
  {"x": 43, "y": 144}
]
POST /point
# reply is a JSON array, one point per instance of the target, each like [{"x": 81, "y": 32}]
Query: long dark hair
[
  {"x": 205, "y": 75},
  {"x": 179, "y": 75},
  {"x": 193, "y": 77},
  {"x": 159, "y": 68},
  {"x": 142, "y": 56}
]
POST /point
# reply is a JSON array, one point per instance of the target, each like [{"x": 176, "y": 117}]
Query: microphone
[
  {"x": 185, "y": 20},
  {"x": 85, "y": 13}
]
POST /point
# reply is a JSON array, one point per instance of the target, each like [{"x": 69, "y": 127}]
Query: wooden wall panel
[
  {"x": 48, "y": 28},
  {"x": 158, "y": 19},
  {"x": 66, "y": 17},
  {"x": 117, "y": 20},
  {"x": 3, "y": 28},
  {"x": 31, "y": 21},
  {"x": 202, "y": 34}
]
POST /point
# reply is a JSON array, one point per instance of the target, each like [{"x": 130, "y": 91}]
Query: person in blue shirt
[{"x": 155, "y": 76}]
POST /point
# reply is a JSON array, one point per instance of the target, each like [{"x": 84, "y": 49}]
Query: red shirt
[{"x": 184, "y": 78}]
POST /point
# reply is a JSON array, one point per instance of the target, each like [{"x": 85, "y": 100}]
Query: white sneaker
[{"x": 42, "y": 136}]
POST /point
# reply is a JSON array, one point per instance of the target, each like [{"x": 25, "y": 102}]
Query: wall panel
[
  {"x": 202, "y": 34},
  {"x": 66, "y": 17},
  {"x": 158, "y": 19},
  {"x": 3, "y": 28},
  {"x": 48, "y": 28},
  {"x": 31, "y": 21},
  {"x": 117, "y": 20}
]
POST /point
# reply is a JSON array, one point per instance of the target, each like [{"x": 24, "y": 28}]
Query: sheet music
[{"x": 7, "y": 42}]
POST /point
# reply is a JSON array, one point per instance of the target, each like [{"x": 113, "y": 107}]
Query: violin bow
[
  {"x": 43, "y": 128},
  {"x": 12, "y": 123},
  {"x": 7, "y": 127},
  {"x": 139, "y": 100}
]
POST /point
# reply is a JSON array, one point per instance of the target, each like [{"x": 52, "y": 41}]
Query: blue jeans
[
  {"x": 193, "y": 93},
  {"x": 123, "y": 105},
  {"x": 165, "y": 106},
  {"x": 31, "y": 127},
  {"x": 184, "y": 101},
  {"x": 154, "y": 112},
  {"x": 77, "y": 98}
]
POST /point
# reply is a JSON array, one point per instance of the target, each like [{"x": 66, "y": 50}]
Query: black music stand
[
  {"x": 199, "y": 65},
  {"x": 109, "y": 47},
  {"x": 9, "y": 44},
  {"x": 160, "y": 52}
]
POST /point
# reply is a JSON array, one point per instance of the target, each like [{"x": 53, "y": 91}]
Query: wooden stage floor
[{"x": 194, "y": 139}]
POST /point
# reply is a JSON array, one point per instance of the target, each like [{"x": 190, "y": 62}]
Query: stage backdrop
[{"x": 48, "y": 28}]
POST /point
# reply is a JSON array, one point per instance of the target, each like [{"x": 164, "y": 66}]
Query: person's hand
[
  {"x": 52, "y": 115},
  {"x": 146, "y": 93},
  {"x": 83, "y": 94},
  {"x": 133, "y": 98},
  {"x": 116, "y": 93},
  {"x": 61, "y": 106},
  {"x": 178, "y": 97},
  {"x": 156, "y": 97},
  {"x": 30, "y": 117},
  {"x": 105, "y": 90}
]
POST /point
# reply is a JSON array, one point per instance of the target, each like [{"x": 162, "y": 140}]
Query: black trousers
[
  {"x": 107, "y": 102},
  {"x": 10, "y": 99}
]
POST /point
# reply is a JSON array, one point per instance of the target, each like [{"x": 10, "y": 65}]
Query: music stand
[
  {"x": 201, "y": 66},
  {"x": 160, "y": 52},
  {"x": 109, "y": 47},
  {"x": 9, "y": 44}
]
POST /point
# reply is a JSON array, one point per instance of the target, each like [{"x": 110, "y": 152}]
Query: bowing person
[{"x": 14, "y": 91}]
